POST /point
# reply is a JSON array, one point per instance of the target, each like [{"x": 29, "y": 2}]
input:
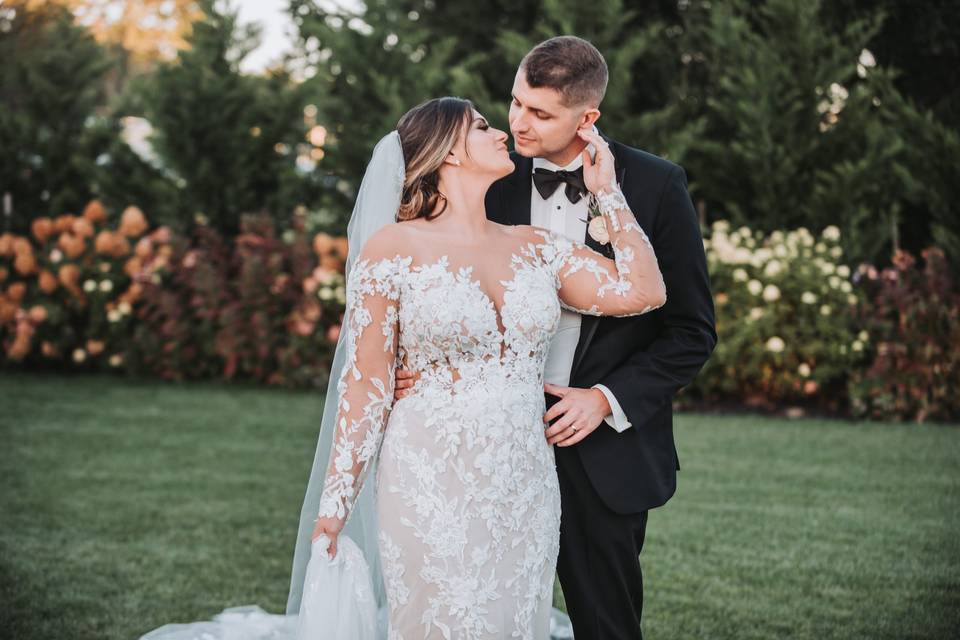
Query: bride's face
[
  {"x": 483, "y": 149},
  {"x": 541, "y": 124}
]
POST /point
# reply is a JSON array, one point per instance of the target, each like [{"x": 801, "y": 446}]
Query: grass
[{"x": 127, "y": 505}]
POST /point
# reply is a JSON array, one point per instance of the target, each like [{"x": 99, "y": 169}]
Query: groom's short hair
[{"x": 569, "y": 65}]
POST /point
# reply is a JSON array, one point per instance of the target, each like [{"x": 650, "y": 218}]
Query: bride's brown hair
[{"x": 428, "y": 133}]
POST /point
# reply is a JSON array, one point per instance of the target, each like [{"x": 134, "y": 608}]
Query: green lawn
[{"x": 127, "y": 505}]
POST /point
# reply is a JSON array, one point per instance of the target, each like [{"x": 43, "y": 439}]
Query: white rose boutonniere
[{"x": 596, "y": 224}]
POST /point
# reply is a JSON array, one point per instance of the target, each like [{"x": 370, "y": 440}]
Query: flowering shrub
[
  {"x": 784, "y": 306},
  {"x": 67, "y": 291},
  {"x": 913, "y": 317},
  {"x": 262, "y": 307}
]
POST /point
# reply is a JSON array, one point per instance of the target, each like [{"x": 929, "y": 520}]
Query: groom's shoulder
[{"x": 635, "y": 159}]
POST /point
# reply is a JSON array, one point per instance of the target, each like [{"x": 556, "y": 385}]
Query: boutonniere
[{"x": 596, "y": 223}]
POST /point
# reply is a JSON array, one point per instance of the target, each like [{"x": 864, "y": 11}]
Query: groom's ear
[{"x": 589, "y": 118}]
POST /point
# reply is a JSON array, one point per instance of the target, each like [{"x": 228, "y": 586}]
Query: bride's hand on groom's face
[
  {"x": 598, "y": 172},
  {"x": 578, "y": 413}
]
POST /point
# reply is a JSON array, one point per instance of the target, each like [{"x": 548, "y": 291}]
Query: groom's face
[{"x": 542, "y": 126}]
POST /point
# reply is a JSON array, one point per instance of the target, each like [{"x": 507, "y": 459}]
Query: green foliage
[
  {"x": 51, "y": 83},
  {"x": 230, "y": 140},
  {"x": 783, "y": 122}
]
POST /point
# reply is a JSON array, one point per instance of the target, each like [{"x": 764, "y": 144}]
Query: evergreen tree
[
  {"x": 51, "y": 82},
  {"x": 799, "y": 126},
  {"x": 230, "y": 140}
]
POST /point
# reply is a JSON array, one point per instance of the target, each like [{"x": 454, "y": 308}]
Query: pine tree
[
  {"x": 51, "y": 83},
  {"x": 231, "y": 140}
]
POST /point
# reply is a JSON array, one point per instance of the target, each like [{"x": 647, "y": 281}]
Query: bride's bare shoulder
[{"x": 389, "y": 241}]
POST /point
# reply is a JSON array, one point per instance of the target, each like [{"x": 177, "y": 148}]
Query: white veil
[{"x": 376, "y": 206}]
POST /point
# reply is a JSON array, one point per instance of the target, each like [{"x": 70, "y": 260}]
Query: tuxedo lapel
[{"x": 516, "y": 191}]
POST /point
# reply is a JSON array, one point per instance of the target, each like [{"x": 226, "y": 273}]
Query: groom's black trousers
[{"x": 599, "y": 564}]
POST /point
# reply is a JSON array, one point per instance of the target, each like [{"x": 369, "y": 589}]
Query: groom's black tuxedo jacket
[{"x": 644, "y": 360}]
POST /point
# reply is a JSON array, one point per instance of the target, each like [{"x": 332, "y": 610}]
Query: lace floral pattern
[{"x": 468, "y": 502}]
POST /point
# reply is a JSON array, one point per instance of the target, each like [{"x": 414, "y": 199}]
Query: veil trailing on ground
[{"x": 376, "y": 206}]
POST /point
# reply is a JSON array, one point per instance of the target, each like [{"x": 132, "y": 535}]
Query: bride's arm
[
  {"x": 590, "y": 283},
  {"x": 365, "y": 388}
]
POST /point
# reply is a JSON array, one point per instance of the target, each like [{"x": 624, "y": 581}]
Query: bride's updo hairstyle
[{"x": 428, "y": 133}]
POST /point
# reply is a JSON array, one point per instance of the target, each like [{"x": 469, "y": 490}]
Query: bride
[{"x": 460, "y": 535}]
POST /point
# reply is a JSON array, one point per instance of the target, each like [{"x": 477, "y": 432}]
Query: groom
[{"x": 611, "y": 381}]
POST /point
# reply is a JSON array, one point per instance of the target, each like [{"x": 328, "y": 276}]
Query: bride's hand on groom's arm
[
  {"x": 583, "y": 409},
  {"x": 331, "y": 528}
]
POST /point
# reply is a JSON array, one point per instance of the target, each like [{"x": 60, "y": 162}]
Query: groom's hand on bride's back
[{"x": 405, "y": 379}]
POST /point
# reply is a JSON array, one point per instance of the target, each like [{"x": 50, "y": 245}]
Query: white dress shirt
[{"x": 558, "y": 214}]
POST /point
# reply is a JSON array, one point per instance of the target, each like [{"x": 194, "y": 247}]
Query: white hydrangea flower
[
  {"x": 772, "y": 269},
  {"x": 775, "y": 344},
  {"x": 124, "y": 308},
  {"x": 832, "y": 233},
  {"x": 863, "y": 336},
  {"x": 827, "y": 268},
  {"x": 857, "y": 345},
  {"x": 89, "y": 285},
  {"x": 846, "y": 287},
  {"x": 740, "y": 275},
  {"x": 843, "y": 271},
  {"x": 834, "y": 282},
  {"x": 755, "y": 287},
  {"x": 804, "y": 370},
  {"x": 79, "y": 355},
  {"x": 771, "y": 293},
  {"x": 106, "y": 286},
  {"x": 808, "y": 297},
  {"x": 825, "y": 310},
  {"x": 756, "y": 313}
]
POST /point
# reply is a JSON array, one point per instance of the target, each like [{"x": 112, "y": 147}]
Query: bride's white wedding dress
[{"x": 467, "y": 495}]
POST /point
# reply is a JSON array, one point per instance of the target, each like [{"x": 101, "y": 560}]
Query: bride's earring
[{"x": 456, "y": 161}]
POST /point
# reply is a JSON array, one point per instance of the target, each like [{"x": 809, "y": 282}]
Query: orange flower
[
  {"x": 69, "y": 275},
  {"x": 42, "y": 229},
  {"x": 132, "y": 266},
  {"x": 329, "y": 261},
  {"x": 4, "y": 272},
  {"x": 16, "y": 291},
  {"x": 37, "y": 314},
  {"x": 82, "y": 227},
  {"x": 25, "y": 264},
  {"x": 342, "y": 247},
  {"x": 144, "y": 247},
  {"x": 22, "y": 246},
  {"x": 47, "y": 349},
  {"x": 71, "y": 244},
  {"x": 20, "y": 347},
  {"x": 132, "y": 222},
  {"x": 8, "y": 311},
  {"x": 6, "y": 244},
  {"x": 64, "y": 222},
  {"x": 309, "y": 285},
  {"x": 162, "y": 235},
  {"x": 322, "y": 244},
  {"x": 95, "y": 347},
  {"x": 333, "y": 333},
  {"x": 103, "y": 244},
  {"x": 47, "y": 281},
  {"x": 810, "y": 387},
  {"x": 94, "y": 211}
]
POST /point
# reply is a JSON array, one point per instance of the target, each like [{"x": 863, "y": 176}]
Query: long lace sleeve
[
  {"x": 590, "y": 283},
  {"x": 365, "y": 388}
]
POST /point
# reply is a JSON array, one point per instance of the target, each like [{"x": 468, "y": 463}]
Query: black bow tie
[{"x": 547, "y": 182}]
